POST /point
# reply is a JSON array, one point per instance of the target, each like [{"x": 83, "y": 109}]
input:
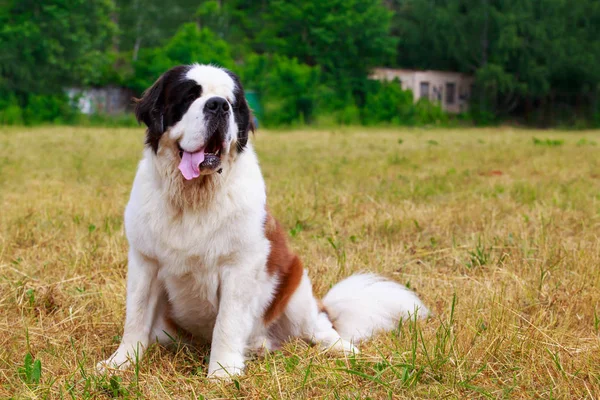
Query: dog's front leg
[
  {"x": 239, "y": 309},
  {"x": 143, "y": 294}
]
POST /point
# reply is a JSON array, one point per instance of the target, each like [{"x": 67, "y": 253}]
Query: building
[
  {"x": 105, "y": 100},
  {"x": 452, "y": 90}
]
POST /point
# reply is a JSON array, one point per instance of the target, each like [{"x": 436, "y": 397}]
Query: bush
[
  {"x": 10, "y": 111},
  {"x": 388, "y": 103},
  {"x": 349, "y": 115},
  {"x": 428, "y": 113},
  {"x": 50, "y": 108},
  {"x": 335, "y": 107},
  {"x": 37, "y": 109},
  {"x": 288, "y": 90}
]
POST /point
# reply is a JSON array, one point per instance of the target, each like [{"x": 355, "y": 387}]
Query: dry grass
[{"x": 498, "y": 234}]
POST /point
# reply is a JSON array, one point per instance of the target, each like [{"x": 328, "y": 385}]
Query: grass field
[{"x": 498, "y": 231}]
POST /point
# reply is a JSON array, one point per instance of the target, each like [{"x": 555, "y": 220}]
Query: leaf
[
  {"x": 31, "y": 371},
  {"x": 25, "y": 371},
  {"x": 36, "y": 372}
]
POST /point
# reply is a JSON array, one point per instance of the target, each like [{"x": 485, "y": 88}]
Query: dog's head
[{"x": 198, "y": 115}]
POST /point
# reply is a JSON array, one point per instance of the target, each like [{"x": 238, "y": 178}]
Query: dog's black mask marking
[
  {"x": 163, "y": 104},
  {"x": 169, "y": 98},
  {"x": 241, "y": 112}
]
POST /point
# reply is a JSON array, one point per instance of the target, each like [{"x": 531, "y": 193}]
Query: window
[
  {"x": 424, "y": 90},
  {"x": 450, "y": 92}
]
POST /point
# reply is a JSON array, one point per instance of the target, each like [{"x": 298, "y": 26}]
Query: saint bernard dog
[{"x": 207, "y": 259}]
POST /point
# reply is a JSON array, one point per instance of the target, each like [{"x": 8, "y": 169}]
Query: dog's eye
[{"x": 191, "y": 96}]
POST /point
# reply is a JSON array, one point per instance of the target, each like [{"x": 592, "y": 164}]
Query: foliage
[
  {"x": 49, "y": 108},
  {"x": 31, "y": 371},
  {"x": 329, "y": 36},
  {"x": 289, "y": 89},
  {"x": 150, "y": 23},
  {"x": 428, "y": 113},
  {"x": 386, "y": 102},
  {"x": 548, "y": 142},
  {"x": 190, "y": 44},
  {"x": 533, "y": 61},
  {"x": 38, "y": 109},
  {"x": 49, "y": 45},
  {"x": 10, "y": 111},
  {"x": 346, "y": 38},
  {"x": 525, "y": 55}
]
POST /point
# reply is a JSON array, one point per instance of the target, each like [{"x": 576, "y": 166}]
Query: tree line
[{"x": 534, "y": 61}]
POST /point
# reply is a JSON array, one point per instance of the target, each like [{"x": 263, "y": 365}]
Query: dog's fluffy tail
[{"x": 364, "y": 304}]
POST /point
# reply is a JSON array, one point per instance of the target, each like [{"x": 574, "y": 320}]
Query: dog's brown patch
[
  {"x": 285, "y": 265},
  {"x": 323, "y": 309},
  {"x": 195, "y": 193},
  {"x": 321, "y": 306}
]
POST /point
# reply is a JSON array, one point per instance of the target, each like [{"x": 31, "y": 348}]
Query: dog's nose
[{"x": 216, "y": 105}]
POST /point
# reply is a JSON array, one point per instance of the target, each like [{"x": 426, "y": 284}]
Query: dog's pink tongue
[{"x": 189, "y": 164}]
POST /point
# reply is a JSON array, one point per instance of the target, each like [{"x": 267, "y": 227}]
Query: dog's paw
[
  {"x": 106, "y": 366},
  {"x": 225, "y": 374},
  {"x": 119, "y": 361},
  {"x": 226, "y": 368},
  {"x": 344, "y": 347}
]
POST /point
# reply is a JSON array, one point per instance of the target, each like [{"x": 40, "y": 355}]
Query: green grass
[{"x": 496, "y": 229}]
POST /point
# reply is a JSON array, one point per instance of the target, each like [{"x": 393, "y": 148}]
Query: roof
[{"x": 399, "y": 71}]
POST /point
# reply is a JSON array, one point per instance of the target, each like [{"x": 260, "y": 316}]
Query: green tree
[
  {"x": 239, "y": 22},
  {"x": 189, "y": 45},
  {"x": 289, "y": 90},
  {"x": 48, "y": 45},
  {"x": 524, "y": 54},
  {"x": 150, "y": 23},
  {"x": 345, "y": 38}
]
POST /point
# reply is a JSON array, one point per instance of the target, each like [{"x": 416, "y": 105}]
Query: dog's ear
[
  {"x": 242, "y": 113},
  {"x": 150, "y": 110},
  {"x": 245, "y": 122}
]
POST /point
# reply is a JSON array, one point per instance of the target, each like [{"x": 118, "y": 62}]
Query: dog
[{"x": 207, "y": 258}]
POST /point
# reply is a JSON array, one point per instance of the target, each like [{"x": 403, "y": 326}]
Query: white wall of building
[
  {"x": 452, "y": 90},
  {"x": 106, "y": 100}
]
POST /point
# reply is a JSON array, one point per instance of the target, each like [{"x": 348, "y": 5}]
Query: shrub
[
  {"x": 388, "y": 103},
  {"x": 428, "y": 113},
  {"x": 37, "y": 109},
  {"x": 336, "y": 107},
  {"x": 349, "y": 115},
  {"x": 49, "y": 108},
  {"x": 288, "y": 90},
  {"x": 10, "y": 111}
]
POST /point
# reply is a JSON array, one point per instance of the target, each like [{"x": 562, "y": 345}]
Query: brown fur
[
  {"x": 183, "y": 194},
  {"x": 283, "y": 263},
  {"x": 323, "y": 309},
  {"x": 321, "y": 306}
]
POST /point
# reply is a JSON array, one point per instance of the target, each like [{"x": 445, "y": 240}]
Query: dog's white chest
[
  {"x": 193, "y": 299},
  {"x": 190, "y": 252}
]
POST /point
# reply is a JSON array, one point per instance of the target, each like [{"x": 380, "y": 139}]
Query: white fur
[
  {"x": 205, "y": 263},
  {"x": 364, "y": 304},
  {"x": 191, "y": 131},
  {"x": 214, "y": 81}
]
